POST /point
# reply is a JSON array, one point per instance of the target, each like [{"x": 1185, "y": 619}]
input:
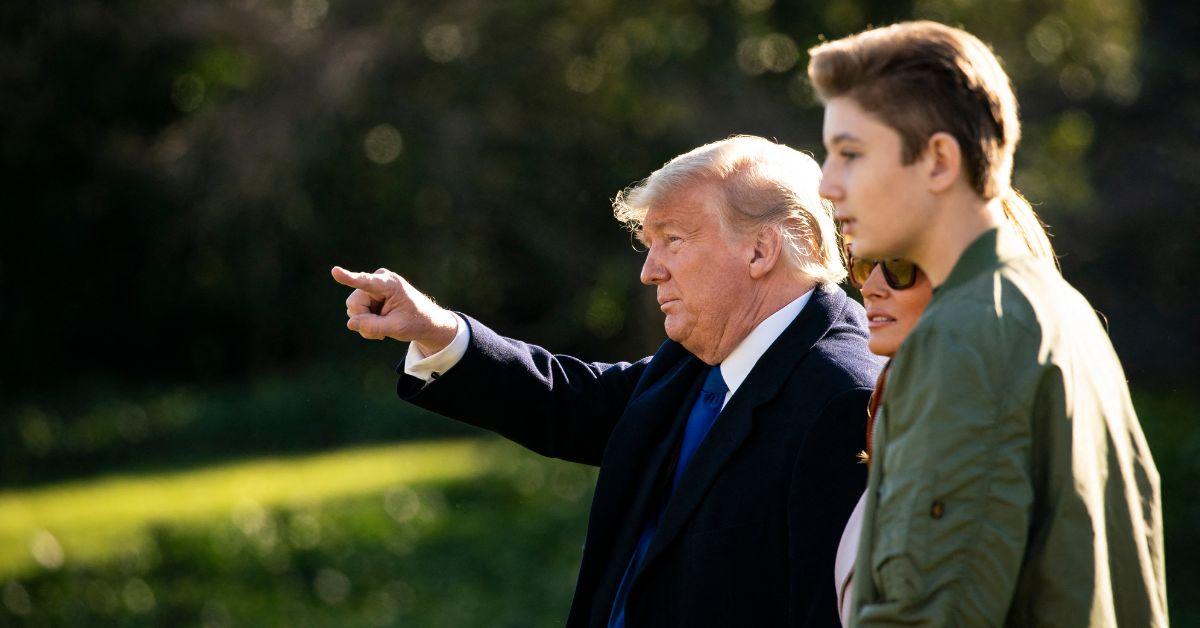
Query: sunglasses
[{"x": 899, "y": 274}]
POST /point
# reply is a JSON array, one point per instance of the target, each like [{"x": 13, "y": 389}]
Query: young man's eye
[{"x": 849, "y": 155}]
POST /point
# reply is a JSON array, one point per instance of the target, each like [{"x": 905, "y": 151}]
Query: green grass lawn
[
  {"x": 447, "y": 533},
  {"x": 427, "y": 533}
]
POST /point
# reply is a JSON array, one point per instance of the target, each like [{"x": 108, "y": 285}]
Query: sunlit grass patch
[
  {"x": 87, "y": 521},
  {"x": 434, "y": 534}
]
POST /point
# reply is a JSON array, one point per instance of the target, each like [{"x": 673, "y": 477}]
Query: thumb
[{"x": 369, "y": 326}]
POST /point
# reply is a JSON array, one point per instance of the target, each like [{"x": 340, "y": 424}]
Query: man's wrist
[{"x": 441, "y": 334}]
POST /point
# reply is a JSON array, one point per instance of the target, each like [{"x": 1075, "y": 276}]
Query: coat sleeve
[
  {"x": 955, "y": 489},
  {"x": 555, "y": 405},
  {"x": 827, "y": 482}
]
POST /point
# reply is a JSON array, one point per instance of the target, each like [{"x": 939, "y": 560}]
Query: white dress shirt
[
  {"x": 734, "y": 369},
  {"x": 737, "y": 366}
]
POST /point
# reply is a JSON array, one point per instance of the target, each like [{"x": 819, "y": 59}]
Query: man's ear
[
  {"x": 768, "y": 246},
  {"x": 943, "y": 157}
]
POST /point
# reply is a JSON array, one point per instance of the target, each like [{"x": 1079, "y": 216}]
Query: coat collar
[{"x": 737, "y": 366}]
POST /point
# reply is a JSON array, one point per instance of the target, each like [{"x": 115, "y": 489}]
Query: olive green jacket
[{"x": 1010, "y": 481}]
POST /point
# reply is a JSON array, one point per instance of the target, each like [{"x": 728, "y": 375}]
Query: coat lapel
[
  {"x": 631, "y": 475},
  {"x": 736, "y": 420}
]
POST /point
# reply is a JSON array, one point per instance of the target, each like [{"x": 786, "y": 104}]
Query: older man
[{"x": 728, "y": 458}]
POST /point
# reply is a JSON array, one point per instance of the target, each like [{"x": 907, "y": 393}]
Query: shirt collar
[{"x": 737, "y": 366}]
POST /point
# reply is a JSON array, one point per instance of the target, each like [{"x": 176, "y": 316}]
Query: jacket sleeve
[
  {"x": 955, "y": 492},
  {"x": 555, "y": 405},
  {"x": 827, "y": 482}
]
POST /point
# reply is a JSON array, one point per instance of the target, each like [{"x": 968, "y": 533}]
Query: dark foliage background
[{"x": 180, "y": 175}]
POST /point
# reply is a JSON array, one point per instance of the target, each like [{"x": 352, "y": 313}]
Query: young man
[{"x": 1010, "y": 480}]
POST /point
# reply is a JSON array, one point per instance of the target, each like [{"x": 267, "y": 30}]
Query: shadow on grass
[{"x": 102, "y": 428}]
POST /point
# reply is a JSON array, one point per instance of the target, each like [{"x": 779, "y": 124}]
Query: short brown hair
[{"x": 922, "y": 78}]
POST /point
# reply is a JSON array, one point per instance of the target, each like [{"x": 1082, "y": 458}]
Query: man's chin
[{"x": 673, "y": 330}]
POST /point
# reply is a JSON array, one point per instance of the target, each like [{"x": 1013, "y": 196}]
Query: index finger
[{"x": 367, "y": 282}]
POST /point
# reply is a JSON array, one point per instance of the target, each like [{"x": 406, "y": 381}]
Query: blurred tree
[{"x": 181, "y": 175}]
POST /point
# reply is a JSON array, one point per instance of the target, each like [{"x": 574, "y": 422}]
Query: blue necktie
[{"x": 704, "y": 414}]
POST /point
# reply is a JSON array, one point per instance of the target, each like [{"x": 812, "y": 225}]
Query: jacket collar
[{"x": 991, "y": 249}]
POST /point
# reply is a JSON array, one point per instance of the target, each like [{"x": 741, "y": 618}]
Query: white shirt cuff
[{"x": 436, "y": 365}]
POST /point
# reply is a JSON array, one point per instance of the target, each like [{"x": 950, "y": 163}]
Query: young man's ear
[
  {"x": 944, "y": 161},
  {"x": 768, "y": 246}
]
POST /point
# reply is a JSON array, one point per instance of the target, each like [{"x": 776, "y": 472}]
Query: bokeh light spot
[
  {"x": 775, "y": 52},
  {"x": 331, "y": 586},
  {"x": 383, "y": 144},
  {"x": 1122, "y": 87},
  {"x": 381, "y": 608},
  {"x": 100, "y": 597},
  {"x": 1076, "y": 81},
  {"x": 16, "y": 599},
  {"x": 1074, "y": 133},
  {"x": 214, "y": 614},
  {"x": 642, "y": 35},
  {"x": 187, "y": 92},
  {"x": 604, "y": 316},
  {"x": 138, "y": 596},
  {"x": 46, "y": 550},
  {"x": 443, "y": 42},
  {"x": 304, "y": 531},
  {"x": 307, "y": 14},
  {"x": 801, "y": 91},
  {"x": 584, "y": 75},
  {"x": 747, "y": 7},
  {"x": 250, "y": 517},
  {"x": 37, "y": 432},
  {"x": 402, "y": 504},
  {"x": 1048, "y": 40},
  {"x": 613, "y": 50}
]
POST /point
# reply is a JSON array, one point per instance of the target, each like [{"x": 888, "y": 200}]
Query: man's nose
[
  {"x": 653, "y": 272},
  {"x": 829, "y": 188}
]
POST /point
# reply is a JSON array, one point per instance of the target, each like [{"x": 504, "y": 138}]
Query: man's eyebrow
[
  {"x": 659, "y": 225},
  {"x": 842, "y": 137}
]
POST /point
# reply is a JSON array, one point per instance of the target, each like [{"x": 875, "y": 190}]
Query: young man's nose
[{"x": 830, "y": 189}]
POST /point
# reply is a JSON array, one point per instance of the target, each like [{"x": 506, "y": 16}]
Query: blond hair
[
  {"x": 761, "y": 184},
  {"x": 1024, "y": 222}
]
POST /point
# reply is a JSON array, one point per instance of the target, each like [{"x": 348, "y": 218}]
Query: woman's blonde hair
[{"x": 1025, "y": 223}]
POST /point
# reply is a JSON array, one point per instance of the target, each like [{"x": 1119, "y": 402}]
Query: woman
[{"x": 895, "y": 293}]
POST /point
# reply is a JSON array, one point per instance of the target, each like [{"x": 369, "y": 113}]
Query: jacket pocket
[{"x": 902, "y": 528}]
